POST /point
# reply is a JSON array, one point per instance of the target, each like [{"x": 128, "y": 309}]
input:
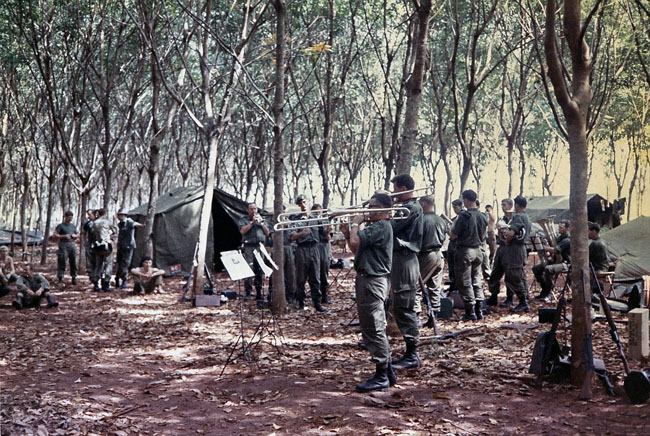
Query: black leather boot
[
  {"x": 470, "y": 315},
  {"x": 50, "y": 301},
  {"x": 507, "y": 303},
  {"x": 522, "y": 307},
  {"x": 392, "y": 378},
  {"x": 324, "y": 299},
  {"x": 377, "y": 382},
  {"x": 409, "y": 360},
  {"x": 18, "y": 302},
  {"x": 318, "y": 307},
  {"x": 478, "y": 309},
  {"x": 493, "y": 300}
]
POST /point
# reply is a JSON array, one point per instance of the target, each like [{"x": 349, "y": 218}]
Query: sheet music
[
  {"x": 236, "y": 265},
  {"x": 268, "y": 256},
  {"x": 265, "y": 268}
]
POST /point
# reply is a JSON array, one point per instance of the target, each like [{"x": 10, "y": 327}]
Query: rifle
[
  {"x": 610, "y": 320},
  {"x": 431, "y": 321},
  {"x": 588, "y": 352},
  {"x": 186, "y": 286}
]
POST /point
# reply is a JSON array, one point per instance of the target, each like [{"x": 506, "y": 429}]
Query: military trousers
[
  {"x": 289, "y": 273},
  {"x": 404, "y": 278},
  {"x": 491, "y": 241},
  {"x": 308, "y": 269},
  {"x": 371, "y": 294},
  {"x": 146, "y": 286},
  {"x": 545, "y": 274},
  {"x": 249, "y": 255},
  {"x": 469, "y": 261},
  {"x": 103, "y": 269},
  {"x": 510, "y": 261},
  {"x": 432, "y": 265},
  {"x": 451, "y": 258},
  {"x": 90, "y": 260},
  {"x": 325, "y": 254},
  {"x": 67, "y": 251},
  {"x": 124, "y": 256}
]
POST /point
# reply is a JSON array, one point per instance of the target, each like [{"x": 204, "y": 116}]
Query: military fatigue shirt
[
  {"x": 434, "y": 232},
  {"x": 103, "y": 229},
  {"x": 126, "y": 235},
  {"x": 470, "y": 228},
  {"x": 521, "y": 225},
  {"x": 255, "y": 235},
  {"x": 88, "y": 228},
  {"x": 375, "y": 253},
  {"x": 407, "y": 232},
  {"x": 598, "y": 255},
  {"x": 66, "y": 229},
  {"x": 312, "y": 236},
  {"x": 33, "y": 284},
  {"x": 563, "y": 247}
]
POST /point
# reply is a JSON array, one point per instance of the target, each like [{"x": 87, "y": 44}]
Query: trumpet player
[
  {"x": 546, "y": 271},
  {"x": 370, "y": 237},
  {"x": 511, "y": 259},
  {"x": 253, "y": 231}
]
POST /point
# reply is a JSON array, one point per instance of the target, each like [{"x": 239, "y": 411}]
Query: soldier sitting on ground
[
  {"x": 7, "y": 271},
  {"x": 32, "y": 288},
  {"x": 146, "y": 278}
]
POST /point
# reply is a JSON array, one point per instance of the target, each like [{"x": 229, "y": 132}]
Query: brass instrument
[
  {"x": 547, "y": 225},
  {"x": 328, "y": 217}
]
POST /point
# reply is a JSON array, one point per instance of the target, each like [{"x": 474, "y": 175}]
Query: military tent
[
  {"x": 176, "y": 227},
  {"x": 630, "y": 244},
  {"x": 598, "y": 209}
]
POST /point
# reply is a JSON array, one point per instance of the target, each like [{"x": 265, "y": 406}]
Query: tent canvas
[
  {"x": 630, "y": 244},
  {"x": 176, "y": 227},
  {"x": 558, "y": 205}
]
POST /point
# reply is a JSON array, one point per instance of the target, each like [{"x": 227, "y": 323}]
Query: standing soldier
[
  {"x": 491, "y": 235},
  {"x": 469, "y": 233},
  {"x": 253, "y": 231},
  {"x": 457, "y": 207},
  {"x": 307, "y": 258},
  {"x": 372, "y": 244},
  {"x": 125, "y": 246},
  {"x": 511, "y": 259},
  {"x": 431, "y": 260},
  {"x": 325, "y": 254},
  {"x": 88, "y": 248},
  {"x": 289, "y": 266},
  {"x": 103, "y": 231},
  {"x": 67, "y": 233},
  {"x": 405, "y": 270},
  {"x": 32, "y": 288}
]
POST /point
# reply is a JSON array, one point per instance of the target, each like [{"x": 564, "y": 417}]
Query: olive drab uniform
[
  {"x": 598, "y": 255},
  {"x": 511, "y": 260},
  {"x": 431, "y": 260},
  {"x": 325, "y": 255},
  {"x": 34, "y": 283},
  {"x": 372, "y": 263},
  {"x": 307, "y": 263},
  {"x": 470, "y": 231},
  {"x": 102, "y": 248},
  {"x": 545, "y": 273},
  {"x": 251, "y": 241},
  {"x": 125, "y": 247},
  {"x": 67, "y": 250},
  {"x": 289, "y": 267},
  {"x": 90, "y": 238},
  {"x": 5, "y": 277},
  {"x": 405, "y": 271}
]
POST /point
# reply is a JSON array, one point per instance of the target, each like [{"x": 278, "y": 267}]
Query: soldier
[
  {"x": 88, "y": 248},
  {"x": 469, "y": 232},
  {"x": 289, "y": 267},
  {"x": 31, "y": 288},
  {"x": 371, "y": 240},
  {"x": 125, "y": 246},
  {"x": 325, "y": 255},
  {"x": 66, "y": 233},
  {"x": 545, "y": 272},
  {"x": 254, "y": 232},
  {"x": 7, "y": 271},
  {"x": 103, "y": 231},
  {"x": 598, "y": 252},
  {"x": 491, "y": 235},
  {"x": 511, "y": 259},
  {"x": 457, "y": 206},
  {"x": 501, "y": 228},
  {"x": 431, "y": 260},
  {"x": 147, "y": 279},
  {"x": 405, "y": 269},
  {"x": 307, "y": 258}
]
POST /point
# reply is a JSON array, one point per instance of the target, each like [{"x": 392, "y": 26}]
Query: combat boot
[
  {"x": 470, "y": 315},
  {"x": 318, "y": 307},
  {"x": 522, "y": 307},
  {"x": 96, "y": 287},
  {"x": 392, "y": 378},
  {"x": 507, "y": 303},
  {"x": 258, "y": 294},
  {"x": 493, "y": 300},
  {"x": 117, "y": 283},
  {"x": 18, "y": 302},
  {"x": 478, "y": 309},
  {"x": 50, "y": 301},
  {"x": 377, "y": 382},
  {"x": 409, "y": 360},
  {"x": 324, "y": 299},
  {"x": 74, "y": 280},
  {"x": 248, "y": 296},
  {"x": 543, "y": 295}
]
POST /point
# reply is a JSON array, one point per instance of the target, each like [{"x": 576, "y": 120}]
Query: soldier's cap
[
  {"x": 300, "y": 199},
  {"x": 122, "y": 212}
]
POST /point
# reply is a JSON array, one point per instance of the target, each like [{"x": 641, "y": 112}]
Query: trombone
[{"x": 341, "y": 216}]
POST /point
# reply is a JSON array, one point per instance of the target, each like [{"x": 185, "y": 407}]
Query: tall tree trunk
[
  {"x": 50, "y": 206},
  {"x": 414, "y": 88},
  {"x": 24, "y": 201},
  {"x": 278, "y": 302}
]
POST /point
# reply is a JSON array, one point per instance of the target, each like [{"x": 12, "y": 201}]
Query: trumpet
[{"x": 337, "y": 217}]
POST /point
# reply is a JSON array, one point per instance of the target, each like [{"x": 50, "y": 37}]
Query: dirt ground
[{"x": 119, "y": 364}]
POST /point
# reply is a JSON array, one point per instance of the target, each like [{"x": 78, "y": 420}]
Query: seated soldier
[
  {"x": 146, "y": 278},
  {"x": 598, "y": 252},
  {"x": 7, "y": 271},
  {"x": 545, "y": 272},
  {"x": 32, "y": 288}
]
